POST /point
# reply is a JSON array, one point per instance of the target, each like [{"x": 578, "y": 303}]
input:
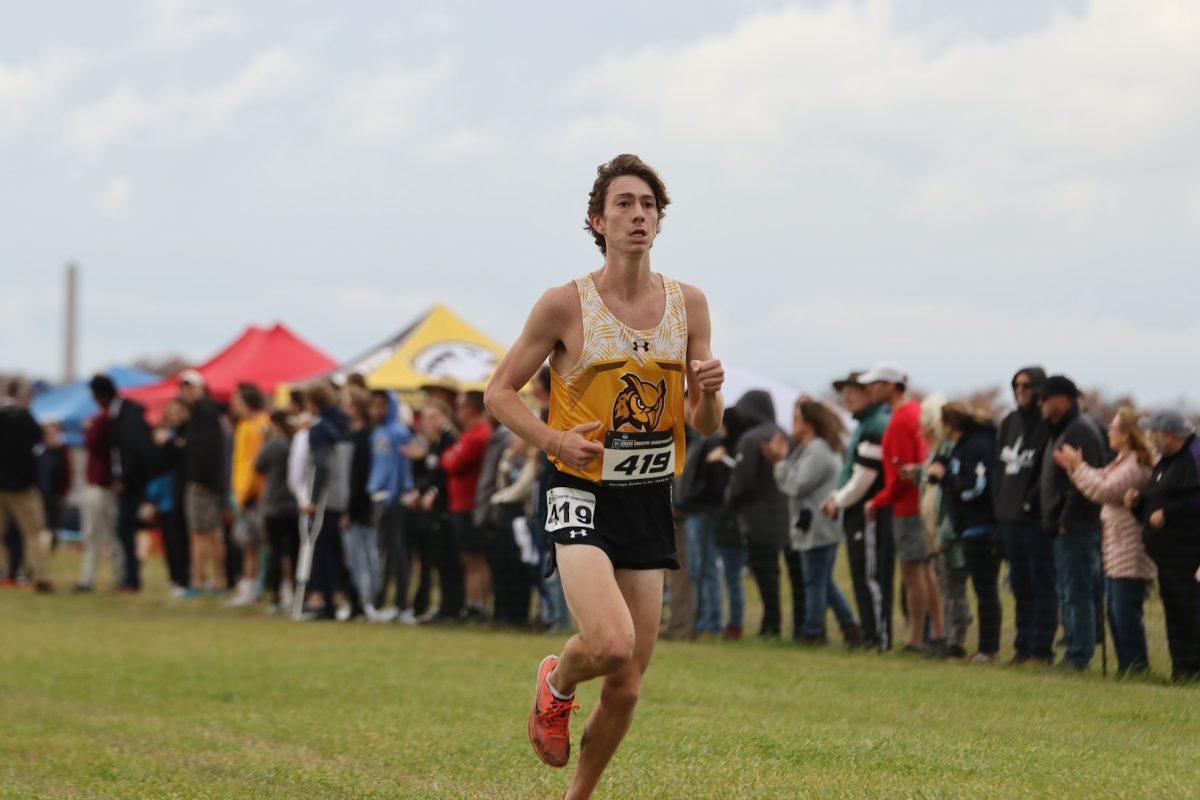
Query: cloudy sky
[{"x": 961, "y": 186}]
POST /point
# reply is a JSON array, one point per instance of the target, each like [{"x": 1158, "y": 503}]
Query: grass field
[{"x": 111, "y": 696}]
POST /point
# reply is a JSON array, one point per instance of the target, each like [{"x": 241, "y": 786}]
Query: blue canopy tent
[{"x": 71, "y": 404}]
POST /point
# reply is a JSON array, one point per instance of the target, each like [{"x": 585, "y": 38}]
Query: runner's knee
[{"x": 612, "y": 652}]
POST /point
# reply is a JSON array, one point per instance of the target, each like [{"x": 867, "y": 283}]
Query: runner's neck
[{"x": 625, "y": 278}]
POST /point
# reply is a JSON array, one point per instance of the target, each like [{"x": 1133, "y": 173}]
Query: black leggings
[
  {"x": 420, "y": 532},
  {"x": 283, "y": 539},
  {"x": 764, "y": 566},
  {"x": 175, "y": 547},
  {"x": 390, "y": 523},
  {"x": 982, "y": 554}
]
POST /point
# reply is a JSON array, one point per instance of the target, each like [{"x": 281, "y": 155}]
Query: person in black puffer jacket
[
  {"x": 1169, "y": 507},
  {"x": 965, "y": 475},
  {"x": 702, "y": 491},
  {"x": 761, "y": 510}
]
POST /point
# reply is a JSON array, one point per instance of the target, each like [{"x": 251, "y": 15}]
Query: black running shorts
[{"x": 633, "y": 525}]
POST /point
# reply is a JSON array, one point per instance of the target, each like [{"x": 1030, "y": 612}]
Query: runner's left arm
[{"x": 705, "y": 373}]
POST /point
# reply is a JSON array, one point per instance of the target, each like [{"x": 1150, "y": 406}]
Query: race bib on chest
[
  {"x": 570, "y": 508},
  {"x": 634, "y": 459}
]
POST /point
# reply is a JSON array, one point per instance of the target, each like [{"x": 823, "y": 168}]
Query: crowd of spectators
[{"x": 348, "y": 503}]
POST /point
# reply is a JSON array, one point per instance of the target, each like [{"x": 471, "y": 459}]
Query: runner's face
[{"x": 630, "y": 220}]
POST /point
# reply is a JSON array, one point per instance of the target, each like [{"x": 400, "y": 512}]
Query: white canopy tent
[{"x": 739, "y": 381}]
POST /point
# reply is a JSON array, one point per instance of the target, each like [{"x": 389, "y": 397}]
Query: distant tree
[{"x": 162, "y": 366}]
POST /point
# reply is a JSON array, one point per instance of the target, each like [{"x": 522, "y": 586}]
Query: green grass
[{"x": 105, "y": 697}]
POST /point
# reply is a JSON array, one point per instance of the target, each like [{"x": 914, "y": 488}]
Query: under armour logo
[
  {"x": 643, "y": 346},
  {"x": 573, "y": 534}
]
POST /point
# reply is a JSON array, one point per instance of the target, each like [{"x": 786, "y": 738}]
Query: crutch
[
  {"x": 1101, "y": 627},
  {"x": 309, "y": 531}
]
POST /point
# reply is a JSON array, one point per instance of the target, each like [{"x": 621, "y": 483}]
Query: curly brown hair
[{"x": 624, "y": 164}]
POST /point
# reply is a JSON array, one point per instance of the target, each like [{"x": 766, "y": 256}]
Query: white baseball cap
[
  {"x": 191, "y": 376},
  {"x": 888, "y": 371}
]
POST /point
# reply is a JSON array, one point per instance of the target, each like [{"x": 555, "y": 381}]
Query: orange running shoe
[{"x": 548, "y": 720}]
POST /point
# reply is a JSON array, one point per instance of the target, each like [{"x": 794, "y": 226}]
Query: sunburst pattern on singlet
[{"x": 632, "y": 382}]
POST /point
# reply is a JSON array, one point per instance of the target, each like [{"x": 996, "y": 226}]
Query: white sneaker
[
  {"x": 376, "y": 615},
  {"x": 406, "y": 617},
  {"x": 180, "y": 592},
  {"x": 243, "y": 596},
  {"x": 342, "y": 614}
]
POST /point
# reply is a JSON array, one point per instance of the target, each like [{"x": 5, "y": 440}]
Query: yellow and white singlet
[{"x": 632, "y": 382}]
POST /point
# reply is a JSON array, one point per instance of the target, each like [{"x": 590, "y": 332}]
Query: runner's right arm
[{"x": 541, "y": 335}]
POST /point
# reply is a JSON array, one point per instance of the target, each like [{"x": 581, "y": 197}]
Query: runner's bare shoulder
[
  {"x": 694, "y": 301},
  {"x": 557, "y": 312}
]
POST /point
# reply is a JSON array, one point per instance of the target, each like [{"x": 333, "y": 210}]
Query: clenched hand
[
  {"x": 709, "y": 375},
  {"x": 576, "y": 450}
]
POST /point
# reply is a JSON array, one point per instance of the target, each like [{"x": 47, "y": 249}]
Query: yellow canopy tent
[{"x": 438, "y": 347}]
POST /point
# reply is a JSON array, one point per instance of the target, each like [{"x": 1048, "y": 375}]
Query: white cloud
[
  {"x": 384, "y": 105},
  {"x": 178, "y": 24},
  {"x": 116, "y": 197},
  {"x": 29, "y": 89},
  {"x": 93, "y": 128},
  {"x": 952, "y": 346},
  {"x": 184, "y": 113},
  {"x": 274, "y": 72},
  {"x": 1050, "y": 119}
]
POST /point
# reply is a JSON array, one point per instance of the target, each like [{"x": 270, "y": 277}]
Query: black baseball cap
[
  {"x": 1059, "y": 385},
  {"x": 850, "y": 380}
]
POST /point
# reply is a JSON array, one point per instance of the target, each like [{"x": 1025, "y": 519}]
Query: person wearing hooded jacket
[
  {"x": 702, "y": 489},
  {"x": 390, "y": 479},
  {"x": 1016, "y": 496},
  {"x": 965, "y": 475},
  {"x": 761, "y": 510}
]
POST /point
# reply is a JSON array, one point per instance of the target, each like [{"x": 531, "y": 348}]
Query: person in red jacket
[
  {"x": 462, "y": 463},
  {"x": 904, "y": 452}
]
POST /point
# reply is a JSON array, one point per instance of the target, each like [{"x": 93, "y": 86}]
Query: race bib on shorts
[
  {"x": 570, "y": 508},
  {"x": 633, "y": 459}
]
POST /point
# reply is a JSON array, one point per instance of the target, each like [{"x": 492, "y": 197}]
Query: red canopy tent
[{"x": 265, "y": 357}]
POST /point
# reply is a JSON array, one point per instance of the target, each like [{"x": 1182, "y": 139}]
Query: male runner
[{"x": 620, "y": 342}]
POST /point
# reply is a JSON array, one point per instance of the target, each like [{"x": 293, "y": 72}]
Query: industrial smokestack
[{"x": 71, "y": 323}]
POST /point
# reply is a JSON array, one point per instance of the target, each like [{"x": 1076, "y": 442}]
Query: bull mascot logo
[{"x": 639, "y": 404}]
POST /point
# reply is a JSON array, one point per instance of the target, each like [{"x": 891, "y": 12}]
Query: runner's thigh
[
  {"x": 643, "y": 592},
  {"x": 595, "y": 599}
]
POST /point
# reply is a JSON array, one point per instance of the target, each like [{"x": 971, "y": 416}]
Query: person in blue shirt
[{"x": 389, "y": 481}]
